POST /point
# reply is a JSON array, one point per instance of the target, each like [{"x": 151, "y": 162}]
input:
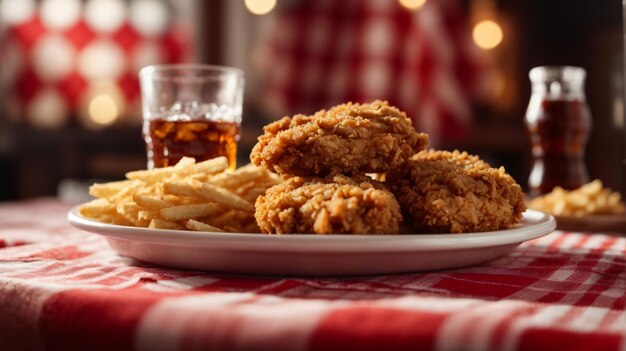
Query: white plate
[{"x": 314, "y": 254}]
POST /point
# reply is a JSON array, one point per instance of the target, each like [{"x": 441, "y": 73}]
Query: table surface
[{"x": 63, "y": 289}]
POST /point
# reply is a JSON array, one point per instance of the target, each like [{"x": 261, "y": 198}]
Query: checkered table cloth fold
[{"x": 63, "y": 289}]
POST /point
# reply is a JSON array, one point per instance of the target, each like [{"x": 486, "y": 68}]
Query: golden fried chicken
[
  {"x": 336, "y": 204},
  {"x": 349, "y": 139},
  {"x": 453, "y": 192}
]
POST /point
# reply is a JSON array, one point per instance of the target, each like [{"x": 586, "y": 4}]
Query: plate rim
[{"x": 542, "y": 224}]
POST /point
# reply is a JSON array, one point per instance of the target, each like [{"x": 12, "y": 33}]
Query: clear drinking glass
[{"x": 191, "y": 110}]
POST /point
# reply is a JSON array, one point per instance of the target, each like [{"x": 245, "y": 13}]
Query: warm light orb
[
  {"x": 412, "y": 4},
  {"x": 487, "y": 34},
  {"x": 102, "y": 105},
  {"x": 260, "y": 7},
  {"x": 103, "y": 110}
]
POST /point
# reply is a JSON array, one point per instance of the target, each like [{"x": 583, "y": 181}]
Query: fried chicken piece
[
  {"x": 336, "y": 204},
  {"x": 453, "y": 192},
  {"x": 349, "y": 139}
]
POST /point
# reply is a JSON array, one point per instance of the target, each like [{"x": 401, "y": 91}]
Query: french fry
[
  {"x": 182, "y": 188},
  {"x": 185, "y": 162},
  {"x": 107, "y": 190},
  {"x": 244, "y": 187},
  {"x": 113, "y": 218},
  {"x": 124, "y": 194},
  {"x": 175, "y": 213},
  {"x": 223, "y": 196},
  {"x": 204, "y": 168},
  {"x": 212, "y": 166},
  {"x": 239, "y": 177},
  {"x": 201, "y": 196},
  {"x": 130, "y": 211},
  {"x": 146, "y": 216},
  {"x": 161, "y": 224},
  {"x": 201, "y": 227},
  {"x": 183, "y": 200},
  {"x": 153, "y": 175},
  {"x": 199, "y": 177},
  {"x": 591, "y": 198},
  {"x": 119, "y": 220},
  {"x": 150, "y": 175},
  {"x": 151, "y": 202},
  {"x": 96, "y": 207}
]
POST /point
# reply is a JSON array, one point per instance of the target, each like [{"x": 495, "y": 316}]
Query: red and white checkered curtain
[
  {"x": 320, "y": 53},
  {"x": 55, "y": 55}
]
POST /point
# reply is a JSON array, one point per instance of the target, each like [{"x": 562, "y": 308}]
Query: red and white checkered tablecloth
[{"x": 63, "y": 289}]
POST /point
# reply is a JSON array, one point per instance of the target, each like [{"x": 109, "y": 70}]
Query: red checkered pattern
[
  {"x": 49, "y": 74},
  {"x": 321, "y": 53},
  {"x": 63, "y": 289}
]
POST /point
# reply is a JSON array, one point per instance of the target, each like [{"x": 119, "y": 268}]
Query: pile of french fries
[
  {"x": 590, "y": 199},
  {"x": 203, "y": 196}
]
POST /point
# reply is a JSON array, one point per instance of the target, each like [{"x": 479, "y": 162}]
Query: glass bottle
[{"x": 559, "y": 123}]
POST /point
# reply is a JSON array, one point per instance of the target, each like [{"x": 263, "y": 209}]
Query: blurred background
[{"x": 70, "y": 110}]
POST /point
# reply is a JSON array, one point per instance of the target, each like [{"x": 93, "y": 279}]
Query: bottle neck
[
  {"x": 556, "y": 90},
  {"x": 558, "y": 82}
]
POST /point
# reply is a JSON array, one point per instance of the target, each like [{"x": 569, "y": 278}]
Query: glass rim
[{"x": 172, "y": 67}]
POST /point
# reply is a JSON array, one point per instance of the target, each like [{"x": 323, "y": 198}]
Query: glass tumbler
[{"x": 191, "y": 110}]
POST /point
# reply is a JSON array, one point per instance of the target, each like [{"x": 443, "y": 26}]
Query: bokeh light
[
  {"x": 103, "y": 110},
  {"x": 412, "y": 4},
  {"x": 260, "y": 7},
  {"x": 102, "y": 105},
  {"x": 487, "y": 34}
]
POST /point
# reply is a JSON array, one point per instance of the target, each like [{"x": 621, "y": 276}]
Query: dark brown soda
[
  {"x": 559, "y": 130},
  {"x": 168, "y": 141}
]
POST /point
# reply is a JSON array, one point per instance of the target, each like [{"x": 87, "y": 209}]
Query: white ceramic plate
[{"x": 314, "y": 254}]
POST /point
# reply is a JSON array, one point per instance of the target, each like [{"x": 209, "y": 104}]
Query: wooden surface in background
[
  {"x": 609, "y": 224},
  {"x": 38, "y": 159}
]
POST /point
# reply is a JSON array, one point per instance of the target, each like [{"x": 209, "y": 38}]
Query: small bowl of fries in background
[
  {"x": 203, "y": 196},
  {"x": 592, "y": 207}
]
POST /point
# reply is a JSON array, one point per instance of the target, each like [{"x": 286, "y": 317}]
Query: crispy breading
[
  {"x": 453, "y": 192},
  {"x": 349, "y": 139},
  {"x": 336, "y": 204}
]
